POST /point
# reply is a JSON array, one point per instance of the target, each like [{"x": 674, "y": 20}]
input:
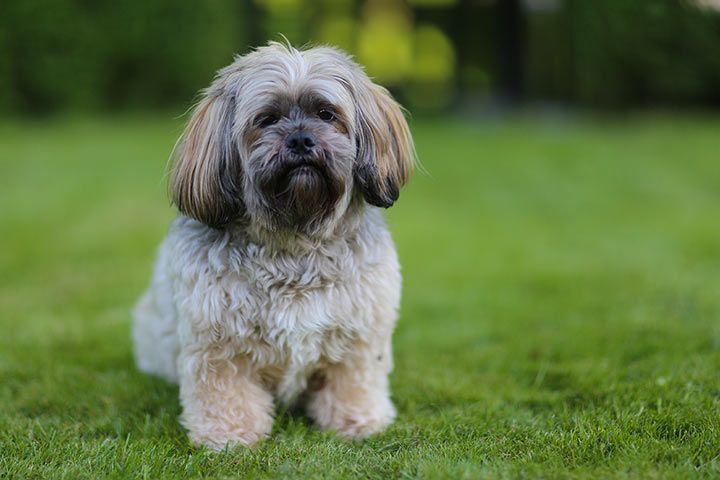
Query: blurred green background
[
  {"x": 560, "y": 250},
  {"x": 434, "y": 54}
]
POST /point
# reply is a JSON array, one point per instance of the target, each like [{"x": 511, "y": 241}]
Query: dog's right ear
[{"x": 206, "y": 175}]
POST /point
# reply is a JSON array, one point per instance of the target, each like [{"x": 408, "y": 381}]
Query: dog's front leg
[
  {"x": 352, "y": 397},
  {"x": 223, "y": 401}
]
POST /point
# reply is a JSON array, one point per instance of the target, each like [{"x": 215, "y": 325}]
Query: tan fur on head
[{"x": 204, "y": 179}]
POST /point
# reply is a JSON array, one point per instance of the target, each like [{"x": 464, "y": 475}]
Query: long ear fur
[
  {"x": 205, "y": 180},
  {"x": 386, "y": 154}
]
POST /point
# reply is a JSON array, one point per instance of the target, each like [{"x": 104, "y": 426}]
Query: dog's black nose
[{"x": 300, "y": 142}]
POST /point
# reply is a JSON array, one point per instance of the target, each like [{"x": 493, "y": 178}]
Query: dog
[{"x": 279, "y": 279}]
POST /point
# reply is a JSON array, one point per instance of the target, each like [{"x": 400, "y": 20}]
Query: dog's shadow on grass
[{"x": 292, "y": 417}]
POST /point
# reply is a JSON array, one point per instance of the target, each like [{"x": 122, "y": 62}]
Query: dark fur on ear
[
  {"x": 205, "y": 180},
  {"x": 386, "y": 154}
]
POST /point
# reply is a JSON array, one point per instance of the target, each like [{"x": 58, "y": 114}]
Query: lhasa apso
[{"x": 279, "y": 278}]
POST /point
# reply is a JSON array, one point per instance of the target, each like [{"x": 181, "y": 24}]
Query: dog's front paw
[
  {"x": 223, "y": 404},
  {"x": 218, "y": 439},
  {"x": 227, "y": 429},
  {"x": 354, "y": 421},
  {"x": 358, "y": 427},
  {"x": 217, "y": 426}
]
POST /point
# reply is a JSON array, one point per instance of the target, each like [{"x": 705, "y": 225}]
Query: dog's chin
[
  {"x": 306, "y": 189},
  {"x": 303, "y": 196}
]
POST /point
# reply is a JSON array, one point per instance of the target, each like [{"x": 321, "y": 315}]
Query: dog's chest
[
  {"x": 294, "y": 311},
  {"x": 291, "y": 314}
]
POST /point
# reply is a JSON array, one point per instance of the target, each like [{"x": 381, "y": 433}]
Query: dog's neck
[{"x": 342, "y": 227}]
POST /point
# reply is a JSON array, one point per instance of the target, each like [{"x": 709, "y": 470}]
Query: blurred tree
[
  {"x": 510, "y": 40},
  {"x": 385, "y": 40},
  {"x": 643, "y": 52},
  {"x": 102, "y": 54},
  {"x": 431, "y": 82},
  {"x": 65, "y": 54}
]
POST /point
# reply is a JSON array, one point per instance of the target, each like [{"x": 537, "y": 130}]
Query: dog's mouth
[
  {"x": 303, "y": 166},
  {"x": 304, "y": 169},
  {"x": 302, "y": 173},
  {"x": 302, "y": 189}
]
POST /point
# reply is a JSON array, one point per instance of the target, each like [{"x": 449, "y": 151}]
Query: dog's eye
[
  {"x": 326, "y": 115},
  {"x": 267, "y": 120}
]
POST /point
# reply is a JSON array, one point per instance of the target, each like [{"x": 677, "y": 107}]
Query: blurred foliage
[
  {"x": 644, "y": 51},
  {"x": 59, "y": 54},
  {"x": 95, "y": 55},
  {"x": 385, "y": 40}
]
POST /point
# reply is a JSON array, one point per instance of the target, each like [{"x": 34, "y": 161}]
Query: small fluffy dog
[{"x": 279, "y": 278}]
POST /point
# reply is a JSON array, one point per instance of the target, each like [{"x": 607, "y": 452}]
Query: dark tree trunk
[{"x": 511, "y": 49}]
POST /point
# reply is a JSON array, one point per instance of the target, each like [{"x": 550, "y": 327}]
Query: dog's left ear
[
  {"x": 206, "y": 177},
  {"x": 386, "y": 154}
]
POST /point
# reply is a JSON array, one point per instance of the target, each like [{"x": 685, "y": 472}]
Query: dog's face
[{"x": 289, "y": 139}]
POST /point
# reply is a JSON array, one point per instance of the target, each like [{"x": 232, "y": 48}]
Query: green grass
[{"x": 560, "y": 315}]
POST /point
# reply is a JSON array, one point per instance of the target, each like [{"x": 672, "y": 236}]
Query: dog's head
[{"x": 289, "y": 138}]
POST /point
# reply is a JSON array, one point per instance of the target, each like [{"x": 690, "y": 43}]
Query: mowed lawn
[{"x": 560, "y": 318}]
